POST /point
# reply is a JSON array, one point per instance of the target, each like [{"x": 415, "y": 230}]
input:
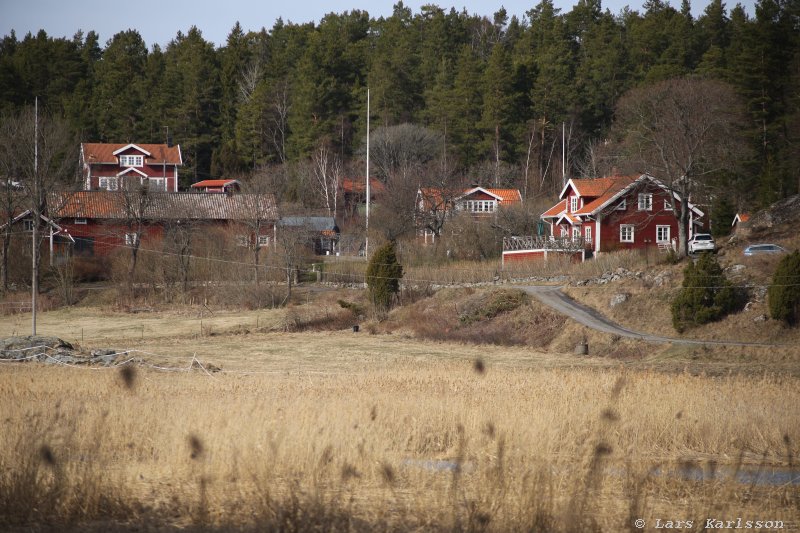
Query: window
[
  {"x": 622, "y": 205},
  {"x": 27, "y": 225},
  {"x": 573, "y": 204},
  {"x": 662, "y": 233},
  {"x": 131, "y": 239},
  {"x": 80, "y": 221},
  {"x": 108, "y": 184},
  {"x": 157, "y": 184},
  {"x": 131, "y": 161},
  {"x": 667, "y": 205},
  {"x": 263, "y": 240},
  {"x": 626, "y": 233},
  {"x": 242, "y": 240},
  {"x": 645, "y": 202},
  {"x": 576, "y": 234},
  {"x": 480, "y": 206},
  {"x": 84, "y": 245},
  {"x": 588, "y": 234},
  {"x": 563, "y": 232}
]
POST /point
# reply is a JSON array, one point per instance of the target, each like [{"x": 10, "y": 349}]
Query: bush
[
  {"x": 706, "y": 296},
  {"x": 383, "y": 276},
  {"x": 783, "y": 294}
]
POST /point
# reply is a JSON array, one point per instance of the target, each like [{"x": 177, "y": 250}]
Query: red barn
[
  {"x": 111, "y": 167},
  {"x": 605, "y": 214},
  {"x": 102, "y": 221}
]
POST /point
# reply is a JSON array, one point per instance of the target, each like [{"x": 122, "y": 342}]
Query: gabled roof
[
  {"x": 58, "y": 229},
  {"x": 501, "y": 195},
  {"x": 111, "y": 205},
  {"x": 556, "y": 210},
  {"x": 740, "y": 217},
  {"x": 569, "y": 218},
  {"x": 106, "y": 153},
  {"x": 213, "y": 183},
  {"x": 131, "y": 169},
  {"x": 596, "y": 187},
  {"x": 603, "y": 192},
  {"x": 135, "y": 147}
]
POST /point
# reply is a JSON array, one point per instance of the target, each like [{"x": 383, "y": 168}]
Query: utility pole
[
  {"x": 35, "y": 213},
  {"x": 366, "y": 240}
]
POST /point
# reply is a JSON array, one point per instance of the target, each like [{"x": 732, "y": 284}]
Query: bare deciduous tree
[
  {"x": 38, "y": 149},
  {"x": 327, "y": 170},
  {"x": 682, "y": 131}
]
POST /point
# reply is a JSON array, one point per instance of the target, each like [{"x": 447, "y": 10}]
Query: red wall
[{"x": 644, "y": 222}]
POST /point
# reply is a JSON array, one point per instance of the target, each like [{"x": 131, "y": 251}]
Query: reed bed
[{"x": 457, "y": 445}]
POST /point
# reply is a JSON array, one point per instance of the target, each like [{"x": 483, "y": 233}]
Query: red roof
[
  {"x": 507, "y": 196},
  {"x": 212, "y": 183},
  {"x": 556, "y": 210},
  {"x": 104, "y": 153}
]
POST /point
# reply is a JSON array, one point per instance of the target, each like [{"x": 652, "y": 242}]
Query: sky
[{"x": 158, "y": 21}]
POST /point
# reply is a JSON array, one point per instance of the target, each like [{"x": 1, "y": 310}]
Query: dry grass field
[{"x": 337, "y": 431}]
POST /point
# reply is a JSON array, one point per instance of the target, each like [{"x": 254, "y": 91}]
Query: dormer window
[
  {"x": 573, "y": 204},
  {"x": 131, "y": 161}
]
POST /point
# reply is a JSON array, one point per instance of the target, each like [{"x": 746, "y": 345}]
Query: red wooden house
[
  {"x": 101, "y": 222},
  {"x": 605, "y": 214},
  {"x": 111, "y": 167}
]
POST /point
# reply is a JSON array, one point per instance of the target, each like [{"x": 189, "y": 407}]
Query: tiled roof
[
  {"x": 212, "y": 183},
  {"x": 104, "y": 153},
  {"x": 597, "y": 187},
  {"x": 164, "y": 206},
  {"x": 507, "y": 195},
  {"x": 556, "y": 210}
]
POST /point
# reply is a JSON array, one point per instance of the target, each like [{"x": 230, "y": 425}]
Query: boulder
[{"x": 619, "y": 299}]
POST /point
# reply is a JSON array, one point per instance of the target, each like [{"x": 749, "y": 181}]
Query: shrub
[
  {"x": 706, "y": 296},
  {"x": 783, "y": 294},
  {"x": 383, "y": 276}
]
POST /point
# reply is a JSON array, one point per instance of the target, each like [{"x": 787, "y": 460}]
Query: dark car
[{"x": 755, "y": 249}]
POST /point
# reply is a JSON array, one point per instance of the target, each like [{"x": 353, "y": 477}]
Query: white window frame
[
  {"x": 131, "y": 160},
  {"x": 564, "y": 232},
  {"x": 263, "y": 240},
  {"x": 81, "y": 221},
  {"x": 622, "y": 205},
  {"x": 131, "y": 239},
  {"x": 157, "y": 184},
  {"x": 645, "y": 201},
  {"x": 588, "y": 234},
  {"x": 576, "y": 233},
  {"x": 573, "y": 204},
  {"x": 108, "y": 183},
  {"x": 660, "y": 230},
  {"x": 624, "y": 229},
  {"x": 27, "y": 225},
  {"x": 242, "y": 240}
]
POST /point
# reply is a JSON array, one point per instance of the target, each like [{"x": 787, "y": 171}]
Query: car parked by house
[
  {"x": 757, "y": 249},
  {"x": 701, "y": 242}
]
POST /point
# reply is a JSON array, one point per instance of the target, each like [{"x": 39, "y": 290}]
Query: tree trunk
[
  {"x": 6, "y": 245},
  {"x": 683, "y": 224}
]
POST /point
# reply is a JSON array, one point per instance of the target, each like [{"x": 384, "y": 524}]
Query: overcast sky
[{"x": 158, "y": 21}]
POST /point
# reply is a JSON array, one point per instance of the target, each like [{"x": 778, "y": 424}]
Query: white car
[{"x": 701, "y": 242}]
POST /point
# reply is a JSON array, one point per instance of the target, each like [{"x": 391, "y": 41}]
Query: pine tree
[
  {"x": 706, "y": 294},
  {"x": 383, "y": 276},
  {"x": 783, "y": 294}
]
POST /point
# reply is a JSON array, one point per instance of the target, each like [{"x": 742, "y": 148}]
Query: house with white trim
[
  {"x": 112, "y": 167},
  {"x": 606, "y": 214}
]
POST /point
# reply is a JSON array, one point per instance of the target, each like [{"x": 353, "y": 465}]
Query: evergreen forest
[{"x": 502, "y": 96}]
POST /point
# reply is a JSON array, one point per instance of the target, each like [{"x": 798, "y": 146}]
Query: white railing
[{"x": 543, "y": 243}]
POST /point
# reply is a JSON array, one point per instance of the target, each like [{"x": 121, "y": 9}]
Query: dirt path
[{"x": 555, "y": 298}]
